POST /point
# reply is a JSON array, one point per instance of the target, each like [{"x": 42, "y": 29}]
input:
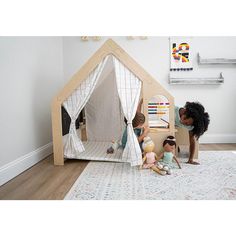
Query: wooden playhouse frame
[{"x": 150, "y": 88}]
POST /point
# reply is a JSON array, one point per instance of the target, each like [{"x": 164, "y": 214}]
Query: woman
[{"x": 194, "y": 118}]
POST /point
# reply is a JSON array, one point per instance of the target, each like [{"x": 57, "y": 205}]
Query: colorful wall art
[{"x": 180, "y": 54}]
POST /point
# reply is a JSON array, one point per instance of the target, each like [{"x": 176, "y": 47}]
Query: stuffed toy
[
  {"x": 165, "y": 159},
  {"x": 114, "y": 146},
  {"x": 150, "y": 157}
]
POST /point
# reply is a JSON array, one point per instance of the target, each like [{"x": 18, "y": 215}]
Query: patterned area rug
[{"x": 214, "y": 179}]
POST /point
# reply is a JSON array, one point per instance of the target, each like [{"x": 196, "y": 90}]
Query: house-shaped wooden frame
[{"x": 150, "y": 89}]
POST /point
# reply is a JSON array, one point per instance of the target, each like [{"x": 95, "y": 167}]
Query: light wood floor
[{"x": 44, "y": 181}]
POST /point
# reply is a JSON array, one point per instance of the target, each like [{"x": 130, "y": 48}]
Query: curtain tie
[{"x": 72, "y": 123}]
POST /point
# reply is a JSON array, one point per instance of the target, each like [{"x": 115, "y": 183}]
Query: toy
[
  {"x": 114, "y": 146},
  {"x": 150, "y": 157},
  {"x": 168, "y": 155}
]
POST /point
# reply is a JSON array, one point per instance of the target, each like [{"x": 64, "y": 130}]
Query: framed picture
[{"x": 180, "y": 54}]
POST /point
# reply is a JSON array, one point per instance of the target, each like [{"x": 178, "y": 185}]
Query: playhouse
[{"x": 106, "y": 90}]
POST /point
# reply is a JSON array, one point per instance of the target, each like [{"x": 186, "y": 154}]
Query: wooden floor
[{"x": 44, "y": 181}]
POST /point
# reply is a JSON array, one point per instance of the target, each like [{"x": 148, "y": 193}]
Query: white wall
[
  {"x": 153, "y": 55},
  {"x": 31, "y": 73}
]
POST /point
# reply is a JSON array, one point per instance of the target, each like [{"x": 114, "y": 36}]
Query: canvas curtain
[
  {"x": 129, "y": 88},
  {"x": 103, "y": 111},
  {"x": 74, "y": 104}
]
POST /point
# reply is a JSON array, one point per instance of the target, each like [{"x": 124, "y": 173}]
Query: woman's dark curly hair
[{"x": 201, "y": 119}]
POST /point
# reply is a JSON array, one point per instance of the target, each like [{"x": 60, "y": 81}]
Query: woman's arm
[{"x": 192, "y": 146}]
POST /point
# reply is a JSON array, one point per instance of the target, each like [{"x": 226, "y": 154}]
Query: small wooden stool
[{"x": 182, "y": 138}]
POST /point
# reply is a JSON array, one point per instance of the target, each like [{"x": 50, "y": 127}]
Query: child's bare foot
[{"x": 192, "y": 162}]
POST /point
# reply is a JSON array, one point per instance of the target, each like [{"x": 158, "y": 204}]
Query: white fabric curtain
[
  {"x": 74, "y": 104},
  {"x": 129, "y": 88},
  {"x": 103, "y": 111}
]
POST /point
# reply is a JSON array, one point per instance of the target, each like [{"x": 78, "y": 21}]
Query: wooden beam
[{"x": 57, "y": 133}]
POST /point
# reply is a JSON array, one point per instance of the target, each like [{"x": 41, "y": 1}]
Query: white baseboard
[
  {"x": 218, "y": 138},
  {"x": 14, "y": 168}
]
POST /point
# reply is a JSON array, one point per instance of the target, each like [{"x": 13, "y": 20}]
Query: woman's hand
[{"x": 190, "y": 161}]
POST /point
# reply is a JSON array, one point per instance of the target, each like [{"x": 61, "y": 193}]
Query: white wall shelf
[
  {"x": 215, "y": 61},
  {"x": 194, "y": 80}
]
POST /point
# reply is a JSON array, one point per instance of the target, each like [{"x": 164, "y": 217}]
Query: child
[
  {"x": 194, "y": 118},
  {"x": 138, "y": 125}
]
